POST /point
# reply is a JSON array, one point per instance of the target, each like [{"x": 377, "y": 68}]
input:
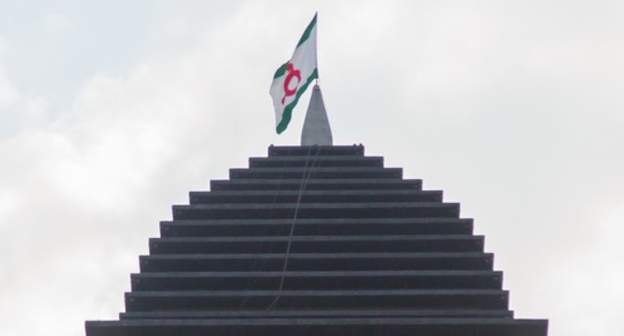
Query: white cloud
[
  {"x": 589, "y": 278},
  {"x": 55, "y": 25},
  {"x": 8, "y": 94}
]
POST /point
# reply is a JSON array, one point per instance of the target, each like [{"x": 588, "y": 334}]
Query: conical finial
[{"x": 316, "y": 129}]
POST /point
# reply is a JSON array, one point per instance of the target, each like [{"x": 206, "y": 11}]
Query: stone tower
[{"x": 317, "y": 240}]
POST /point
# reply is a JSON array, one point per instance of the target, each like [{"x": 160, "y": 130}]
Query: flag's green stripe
[
  {"x": 287, "y": 113},
  {"x": 307, "y": 32},
  {"x": 281, "y": 70}
]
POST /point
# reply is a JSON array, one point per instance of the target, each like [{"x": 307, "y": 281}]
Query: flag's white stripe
[{"x": 304, "y": 59}]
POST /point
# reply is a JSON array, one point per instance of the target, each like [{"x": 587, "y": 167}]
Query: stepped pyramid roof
[{"x": 317, "y": 240}]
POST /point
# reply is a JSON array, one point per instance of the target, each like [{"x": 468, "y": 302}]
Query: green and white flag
[{"x": 293, "y": 77}]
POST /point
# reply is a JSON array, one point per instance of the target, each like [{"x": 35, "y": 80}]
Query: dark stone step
[
  {"x": 311, "y": 151},
  {"x": 313, "y": 196},
  {"x": 323, "y": 244},
  {"x": 317, "y": 262},
  {"x": 317, "y": 210},
  {"x": 316, "y": 161},
  {"x": 306, "y": 280},
  {"x": 366, "y": 326},
  {"x": 255, "y": 314},
  {"x": 315, "y": 184},
  {"x": 316, "y": 299},
  {"x": 304, "y": 173},
  {"x": 306, "y": 227},
  {"x": 319, "y": 161}
]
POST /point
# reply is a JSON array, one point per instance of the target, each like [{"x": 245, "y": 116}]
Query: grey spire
[{"x": 316, "y": 129}]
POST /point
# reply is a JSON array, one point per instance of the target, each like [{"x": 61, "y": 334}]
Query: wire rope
[{"x": 305, "y": 177}]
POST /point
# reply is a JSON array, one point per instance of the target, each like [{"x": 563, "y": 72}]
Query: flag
[{"x": 293, "y": 77}]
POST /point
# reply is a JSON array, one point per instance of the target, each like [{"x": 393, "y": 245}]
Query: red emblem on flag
[{"x": 292, "y": 74}]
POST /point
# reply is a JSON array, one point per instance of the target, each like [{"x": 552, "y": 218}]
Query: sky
[{"x": 112, "y": 111}]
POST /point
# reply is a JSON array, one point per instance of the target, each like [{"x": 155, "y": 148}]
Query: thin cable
[
  {"x": 259, "y": 265},
  {"x": 304, "y": 182}
]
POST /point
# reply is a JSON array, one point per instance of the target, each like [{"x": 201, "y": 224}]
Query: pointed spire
[{"x": 316, "y": 129}]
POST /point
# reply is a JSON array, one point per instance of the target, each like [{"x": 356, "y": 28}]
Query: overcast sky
[{"x": 111, "y": 111}]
